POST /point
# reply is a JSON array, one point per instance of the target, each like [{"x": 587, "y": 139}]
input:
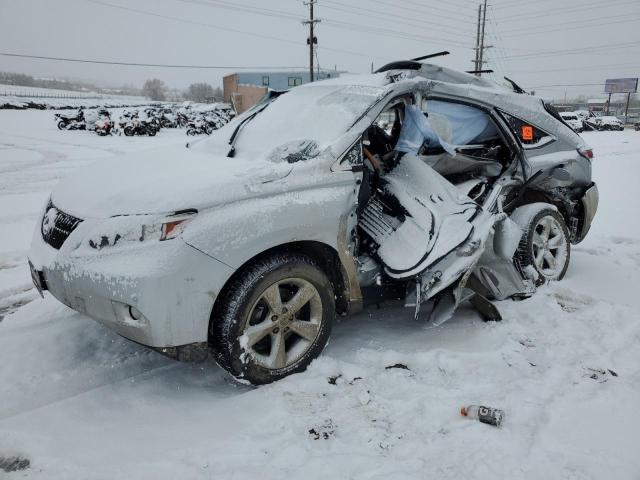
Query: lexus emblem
[{"x": 49, "y": 220}]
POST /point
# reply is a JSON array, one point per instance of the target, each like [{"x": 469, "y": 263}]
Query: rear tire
[
  {"x": 62, "y": 125},
  {"x": 274, "y": 319},
  {"x": 545, "y": 246},
  {"x": 128, "y": 131}
]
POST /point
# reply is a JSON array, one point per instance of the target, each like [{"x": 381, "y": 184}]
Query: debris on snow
[
  {"x": 14, "y": 464},
  {"x": 324, "y": 431}
]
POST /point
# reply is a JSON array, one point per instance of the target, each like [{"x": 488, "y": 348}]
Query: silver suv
[{"x": 416, "y": 183}]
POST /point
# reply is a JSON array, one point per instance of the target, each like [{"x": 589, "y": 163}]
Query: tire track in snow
[
  {"x": 71, "y": 393},
  {"x": 14, "y": 298}
]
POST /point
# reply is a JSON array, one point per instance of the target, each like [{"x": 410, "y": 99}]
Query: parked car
[
  {"x": 418, "y": 182},
  {"x": 605, "y": 122},
  {"x": 571, "y": 118}
]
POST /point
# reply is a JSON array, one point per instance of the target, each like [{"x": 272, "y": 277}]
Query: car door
[{"x": 422, "y": 226}]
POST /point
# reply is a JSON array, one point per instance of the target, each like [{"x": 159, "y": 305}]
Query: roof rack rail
[
  {"x": 400, "y": 65},
  {"x": 412, "y": 64}
]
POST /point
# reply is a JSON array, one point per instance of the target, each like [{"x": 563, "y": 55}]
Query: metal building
[{"x": 243, "y": 90}]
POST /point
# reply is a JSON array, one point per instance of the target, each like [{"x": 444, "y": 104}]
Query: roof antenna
[{"x": 516, "y": 87}]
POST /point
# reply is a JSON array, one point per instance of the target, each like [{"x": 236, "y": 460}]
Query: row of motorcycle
[{"x": 146, "y": 122}]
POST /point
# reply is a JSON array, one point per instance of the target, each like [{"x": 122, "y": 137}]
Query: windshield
[{"x": 306, "y": 119}]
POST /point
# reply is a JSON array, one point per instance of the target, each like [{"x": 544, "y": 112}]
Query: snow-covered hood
[{"x": 162, "y": 181}]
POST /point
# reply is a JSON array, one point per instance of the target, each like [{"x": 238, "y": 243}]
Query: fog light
[{"x": 134, "y": 313}]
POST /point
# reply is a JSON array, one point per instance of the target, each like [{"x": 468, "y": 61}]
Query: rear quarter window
[{"x": 529, "y": 135}]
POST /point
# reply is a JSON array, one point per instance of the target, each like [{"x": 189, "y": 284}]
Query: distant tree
[
  {"x": 17, "y": 79},
  {"x": 154, "y": 89},
  {"x": 199, "y": 92},
  {"x": 218, "y": 95}
]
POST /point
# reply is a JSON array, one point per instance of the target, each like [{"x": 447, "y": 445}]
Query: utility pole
[
  {"x": 484, "y": 21},
  {"x": 479, "y": 60},
  {"x": 312, "y": 40},
  {"x": 626, "y": 109},
  {"x": 476, "y": 65}
]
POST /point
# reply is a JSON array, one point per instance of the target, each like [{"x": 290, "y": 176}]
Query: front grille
[{"x": 57, "y": 226}]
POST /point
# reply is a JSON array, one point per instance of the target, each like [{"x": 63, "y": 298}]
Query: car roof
[{"x": 439, "y": 80}]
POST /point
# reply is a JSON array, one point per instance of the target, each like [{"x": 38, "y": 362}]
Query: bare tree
[
  {"x": 154, "y": 89},
  {"x": 218, "y": 95},
  {"x": 200, "y": 92}
]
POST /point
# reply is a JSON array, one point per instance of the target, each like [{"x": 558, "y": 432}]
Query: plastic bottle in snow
[{"x": 491, "y": 416}]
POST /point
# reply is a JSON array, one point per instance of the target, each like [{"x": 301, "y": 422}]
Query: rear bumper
[
  {"x": 160, "y": 296},
  {"x": 589, "y": 202}
]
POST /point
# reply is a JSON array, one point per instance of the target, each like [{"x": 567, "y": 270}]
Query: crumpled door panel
[{"x": 438, "y": 228}]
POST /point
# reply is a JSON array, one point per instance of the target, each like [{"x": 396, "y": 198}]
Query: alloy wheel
[
  {"x": 549, "y": 247},
  {"x": 283, "y": 323}
]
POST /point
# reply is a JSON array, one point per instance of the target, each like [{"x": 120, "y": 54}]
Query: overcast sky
[{"x": 543, "y": 45}]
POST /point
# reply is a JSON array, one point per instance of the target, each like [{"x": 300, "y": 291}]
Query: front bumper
[{"x": 160, "y": 294}]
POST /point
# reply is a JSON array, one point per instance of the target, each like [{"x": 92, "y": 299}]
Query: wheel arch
[
  {"x": 324, "y": 255},
  {"x": 539, "y": 196}
]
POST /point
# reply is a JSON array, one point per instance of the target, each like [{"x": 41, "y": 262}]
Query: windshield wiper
[{"x": 236, "y": 132}]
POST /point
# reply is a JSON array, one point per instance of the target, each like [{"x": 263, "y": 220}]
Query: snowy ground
[{"x": 82, "y": 403}]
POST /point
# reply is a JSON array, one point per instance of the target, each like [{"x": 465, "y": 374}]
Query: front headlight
[{"x": 135, "y": 229}]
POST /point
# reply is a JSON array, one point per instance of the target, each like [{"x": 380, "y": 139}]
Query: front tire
[
  {"x": 545, "y": 246},
  {"x": 274, "y": 319}
]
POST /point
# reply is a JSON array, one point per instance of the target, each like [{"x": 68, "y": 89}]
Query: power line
[
  {"x": 581, "y": 26},
  {"x": 457, "y": 14},
  {"x": 286, "y": 15},
  {"x": 269, "y": 12},
  {"x": 224, "y": 28},
  {"x": 580, "y": 21},
  {"x": 387, "y": 32},
  {"x": 338, "y": 24},
  {"x": 385, "y": 18},
  {"x": 518, "y": 3},
  {"x": 587, "y": 67},
  {"x": 546, "y": 13},
  {"x": 136, "y": 64},
  {"x": 571, "y": 51},
  {"x": 498, "y": 41},
  {"x": 402, "y": 17}
]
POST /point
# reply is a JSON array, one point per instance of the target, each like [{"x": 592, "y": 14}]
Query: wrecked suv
[{"x": 416, "y": 182}]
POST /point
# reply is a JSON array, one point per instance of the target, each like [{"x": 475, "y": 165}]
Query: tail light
[{"x": 586, "y": 153}]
